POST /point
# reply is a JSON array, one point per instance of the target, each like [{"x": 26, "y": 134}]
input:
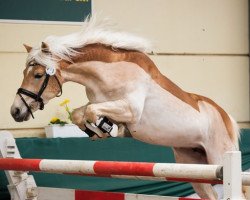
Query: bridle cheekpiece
[{"x": 50, "y": 72}]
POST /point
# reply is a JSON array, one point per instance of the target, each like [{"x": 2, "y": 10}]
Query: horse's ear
[
  {"x": 45, "y": 48},
  {"x": 28, "y": 48}
]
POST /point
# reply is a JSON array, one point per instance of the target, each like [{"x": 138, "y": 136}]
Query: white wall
[{"x": 214, "y": 34}]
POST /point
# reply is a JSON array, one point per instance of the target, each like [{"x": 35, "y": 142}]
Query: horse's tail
[{"x": 230, "y": 123}]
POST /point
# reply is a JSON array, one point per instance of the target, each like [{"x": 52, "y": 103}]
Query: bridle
[{"x": 38, "y": 97}]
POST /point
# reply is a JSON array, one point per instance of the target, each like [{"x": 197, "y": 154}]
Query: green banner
[{"x": 45, "y": 10}]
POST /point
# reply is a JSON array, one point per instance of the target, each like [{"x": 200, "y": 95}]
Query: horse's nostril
[{"x": 17, "y": 112}]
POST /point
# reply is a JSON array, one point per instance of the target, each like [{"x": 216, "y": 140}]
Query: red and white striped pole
[
  {"x": 71, "y": 194},
  {"x": 134, "y": 170}
]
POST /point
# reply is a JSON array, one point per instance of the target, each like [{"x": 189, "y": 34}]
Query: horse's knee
[
  {"x": 78, "y": 117},
  {"x": 91, "y": 113}
]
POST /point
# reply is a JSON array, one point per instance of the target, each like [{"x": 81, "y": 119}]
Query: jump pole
[
  {"x": 135, "y": 170},
  {"x": 71, "y": 194},
  {"x": 187, "y": 172}
]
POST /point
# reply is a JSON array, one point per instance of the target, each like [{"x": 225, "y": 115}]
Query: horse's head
[{"x": 41, "y": 83}]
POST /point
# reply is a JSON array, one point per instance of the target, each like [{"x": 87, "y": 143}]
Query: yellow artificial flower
[
  {"x": 54, "y": 119},
  {"x": 65, "y": 102}
]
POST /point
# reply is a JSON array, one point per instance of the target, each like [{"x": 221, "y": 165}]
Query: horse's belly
[
  {"x": 168, "y": 121},
  {"x": 166, "y": 135}
]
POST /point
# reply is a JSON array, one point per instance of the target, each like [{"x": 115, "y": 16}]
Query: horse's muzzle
[{"x": 19, "y": 115}]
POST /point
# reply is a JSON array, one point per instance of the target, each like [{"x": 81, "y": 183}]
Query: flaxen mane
[{"x": 92, "y": 32}]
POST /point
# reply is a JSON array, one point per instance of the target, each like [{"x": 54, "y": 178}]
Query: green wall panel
[{"x": 45, "y": 10}]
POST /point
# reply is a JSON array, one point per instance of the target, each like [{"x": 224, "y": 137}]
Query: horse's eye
[{"x": 38, "y": 76}]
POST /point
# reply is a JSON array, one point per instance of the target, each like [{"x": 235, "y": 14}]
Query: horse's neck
[
  {"x": 98, "y": 52},
  {"x": 102, "y": 53}
]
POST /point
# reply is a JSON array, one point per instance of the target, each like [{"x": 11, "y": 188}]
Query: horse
[{"x": 123, "y": 84}]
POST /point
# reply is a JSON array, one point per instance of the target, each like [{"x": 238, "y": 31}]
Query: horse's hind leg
[{"x": 197, "y": 156}]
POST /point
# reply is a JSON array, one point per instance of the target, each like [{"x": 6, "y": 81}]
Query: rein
[{"x": 38, "y": 97}]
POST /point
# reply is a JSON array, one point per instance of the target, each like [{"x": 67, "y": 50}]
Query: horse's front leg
[
  {"x": 122, "y": 111},
  {"x": 91, "y": 112},
  {"x": 118, "y": 111},
  {"x": 78, "y": 116},
  {"x": 79, "y": 120},
  {"x": 125, "y": 111}
]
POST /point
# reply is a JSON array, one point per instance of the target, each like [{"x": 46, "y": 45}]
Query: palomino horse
[{"x": 123, "y": 84}]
